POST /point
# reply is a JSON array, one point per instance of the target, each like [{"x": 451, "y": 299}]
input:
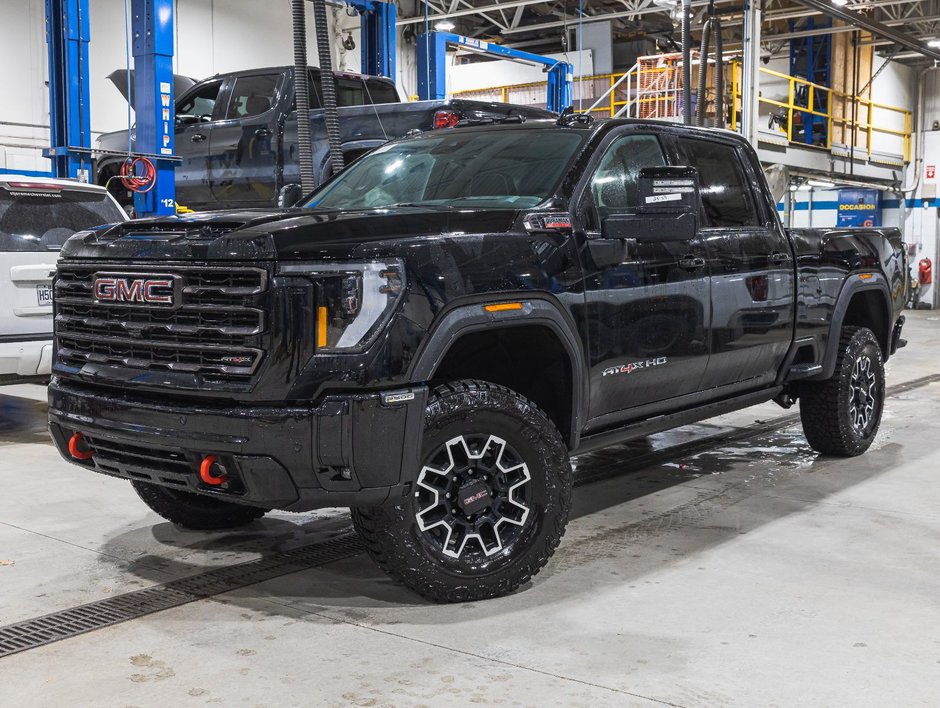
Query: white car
[{"x": 37, "y": 215}]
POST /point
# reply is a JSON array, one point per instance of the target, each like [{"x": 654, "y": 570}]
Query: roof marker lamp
[{"x": 354, "y": 301}]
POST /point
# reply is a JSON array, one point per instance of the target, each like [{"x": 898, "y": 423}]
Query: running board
[
  {"x": 803, "y": 371},
  {"x": 657, "y": 424}
]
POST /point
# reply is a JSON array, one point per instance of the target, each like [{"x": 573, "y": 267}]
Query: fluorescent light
[
  {"x": 822, "y": 184},
  {"x": 934, "y": 43},
  {"x": 444, "y": 26},
  {"x": 840, "y": 3}
]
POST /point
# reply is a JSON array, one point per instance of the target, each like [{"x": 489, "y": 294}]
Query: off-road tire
[
  {"x": 826, "y": 406},
  {"x": 194, "y": 511},
  {"x": 469, "y": 409}
]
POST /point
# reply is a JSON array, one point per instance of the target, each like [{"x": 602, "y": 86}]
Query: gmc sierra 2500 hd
[{"x": 431, "y": 335}]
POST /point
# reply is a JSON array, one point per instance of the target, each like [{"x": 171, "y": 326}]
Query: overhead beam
[
  {"x": 511, "y": 4},
  {"x": 873, "y": 26}
]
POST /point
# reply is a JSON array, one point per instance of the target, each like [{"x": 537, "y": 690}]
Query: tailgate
[{"x": 26, "y": 293}]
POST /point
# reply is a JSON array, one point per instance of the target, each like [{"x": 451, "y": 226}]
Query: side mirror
[
  {"x": 651, "y": 228},
  {"x": 289, "y": 195}
]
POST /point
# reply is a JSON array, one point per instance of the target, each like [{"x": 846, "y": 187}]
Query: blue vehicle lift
[
  {"x": 67, "y": 38},
  {"x": 67, "y": 35},
  {"x": 810, "y": 57},
  {"x": 432, "y": 64}
]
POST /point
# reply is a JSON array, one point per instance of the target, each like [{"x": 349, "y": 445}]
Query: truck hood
[{"x": 286, "y": 234}]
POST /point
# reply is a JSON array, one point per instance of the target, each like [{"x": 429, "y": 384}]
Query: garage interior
[{"x": 722, "y": 562}]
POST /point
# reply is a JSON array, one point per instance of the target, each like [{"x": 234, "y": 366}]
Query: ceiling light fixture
[
  {"x": 444, "y": 26},
  {"x": 821, "y": 184}
]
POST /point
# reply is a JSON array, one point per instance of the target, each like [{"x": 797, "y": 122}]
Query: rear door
[
  {"x": 752, "y": 269},
  {"x": 244, "y": 144},
  {"x": 648, "y": 315},
  {"x": 35, "y": 220}
]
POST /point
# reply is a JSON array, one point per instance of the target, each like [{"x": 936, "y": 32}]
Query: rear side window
[
  {"x": 42, "y": 218},
  {"x": 726, "y": 195},
  {"x": 349, "y": 92},
  {"x": 252, "y": 96},
  {"x": 380, "y": 92}
]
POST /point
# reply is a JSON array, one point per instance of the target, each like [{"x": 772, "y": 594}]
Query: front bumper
[{"x": 344, "y": 450}]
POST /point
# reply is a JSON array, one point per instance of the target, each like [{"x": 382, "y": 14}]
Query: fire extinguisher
[{"x": 925, "y": 271}]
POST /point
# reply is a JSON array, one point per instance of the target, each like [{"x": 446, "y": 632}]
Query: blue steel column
[
  {"x": 377, "y": 38},
  {"x": 432, "y": 62},
  {"x": 152, "y": 26},
  {"x": 67, "y": 37}
]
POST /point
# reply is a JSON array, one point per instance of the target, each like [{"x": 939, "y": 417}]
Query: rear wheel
[
  {"x": 491, "y": 500},
  {"x": 841, "y": 416},
  {"x": 194, "y": 511}
]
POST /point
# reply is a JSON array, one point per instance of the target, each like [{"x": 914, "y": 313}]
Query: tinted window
[
  {"x": 252, "y": 95},
  {"x": 41, "y": 219},
  {"x": 726, "y": 195},
  {"x": 349, "y": 92},
  {"x": 512, "y": 169},
  {"x": 615, "y": 184},
  {"x": 380, "y": 92},
  {"x": 198, "y": 107}
]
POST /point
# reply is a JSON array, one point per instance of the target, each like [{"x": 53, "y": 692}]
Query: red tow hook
[
  {"x": 205, "y": 471},
  {"x": 76, "y": 451}
]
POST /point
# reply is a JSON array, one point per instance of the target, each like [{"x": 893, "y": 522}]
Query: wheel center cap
[{"x": 473, "y": 497}]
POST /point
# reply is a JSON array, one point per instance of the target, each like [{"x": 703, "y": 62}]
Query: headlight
[{"x": 354, "y": 301}]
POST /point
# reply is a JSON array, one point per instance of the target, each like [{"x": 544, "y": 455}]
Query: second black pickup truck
[
  {"x": 237, "y": 133},
  {"x": 435, "y": 331}
]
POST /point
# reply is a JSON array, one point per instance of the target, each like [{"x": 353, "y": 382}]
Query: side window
[
  {"x": 252, "y": 96},
  {"x": 726, "y": 195},
  {"x": 199, "y": 105},
  {"x": 378, "y": 91},
  {"x": 615, "y": 183}
]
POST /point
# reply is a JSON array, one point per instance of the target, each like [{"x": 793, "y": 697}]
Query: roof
[{"x": 74, "y": 184}]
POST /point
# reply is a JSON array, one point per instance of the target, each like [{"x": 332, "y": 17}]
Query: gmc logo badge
[{"x": 154, "y": 290}]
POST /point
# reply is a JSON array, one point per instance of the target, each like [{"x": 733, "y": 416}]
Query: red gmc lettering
[{"x": 127, "y": 290}]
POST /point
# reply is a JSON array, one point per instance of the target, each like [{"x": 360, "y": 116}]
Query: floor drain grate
[{"x": 40, "y": 631}]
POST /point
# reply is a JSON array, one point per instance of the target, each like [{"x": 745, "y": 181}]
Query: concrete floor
[{"x": 745, "y": 572}]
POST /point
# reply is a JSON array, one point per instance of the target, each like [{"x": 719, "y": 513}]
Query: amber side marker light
[
  {"x": 866, "y": 276},
  {"x": 503, "y": 306},
  {"x": 321, "y": 327}
]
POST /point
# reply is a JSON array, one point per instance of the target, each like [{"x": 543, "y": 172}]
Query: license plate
[{"x": 44, "y": 295}]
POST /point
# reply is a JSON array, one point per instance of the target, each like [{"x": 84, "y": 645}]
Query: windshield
[
  {"x": 511, "y": 169},
  {"x": 40, "y": 217}
]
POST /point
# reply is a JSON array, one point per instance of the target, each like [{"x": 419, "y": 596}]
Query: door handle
[
  {"x": 262, "y": 133},
  {"x": 691, "y": 263},
  {"x": 198, "y": 137},
  {"x": 776, "y": 258}
]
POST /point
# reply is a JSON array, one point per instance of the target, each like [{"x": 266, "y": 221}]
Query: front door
[
  {"x": 245, "y": 143},
  {"x": 648, "y": 315},
  {"x": 195, "y": 113}
]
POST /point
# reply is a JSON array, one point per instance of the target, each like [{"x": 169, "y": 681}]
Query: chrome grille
[{"x": 215, "y": 330}]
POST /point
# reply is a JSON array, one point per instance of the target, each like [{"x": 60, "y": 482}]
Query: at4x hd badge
[{"x": 634, "y": 366}]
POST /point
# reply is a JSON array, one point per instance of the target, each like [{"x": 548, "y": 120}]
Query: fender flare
[
  {"x": 467, "y": 318},
  {"x": 852, "y": 286}
]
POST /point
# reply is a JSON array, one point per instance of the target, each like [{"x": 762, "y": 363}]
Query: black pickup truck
[
  {"x": 237, "y": 133},
  {"x": 434, "y": 331}
]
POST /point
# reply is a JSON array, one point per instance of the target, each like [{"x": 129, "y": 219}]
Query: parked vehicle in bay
[
  {"x": 237, "y": 133},
  {"x": 428, "y": 337},
  {"x": 37, "y": 215}
]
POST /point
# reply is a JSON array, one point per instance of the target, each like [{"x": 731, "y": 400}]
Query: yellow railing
[
  {"x": 851, "y": 127},
  {"x": 628, "y": 94}
]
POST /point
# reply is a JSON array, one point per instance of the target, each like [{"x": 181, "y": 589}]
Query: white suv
[{"x": 37, "y": 215}]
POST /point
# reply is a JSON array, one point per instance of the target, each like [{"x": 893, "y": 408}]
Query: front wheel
[
  {"x": 491, "y": 500},
  {"x": 842, "y": 414},
  {"x": 194, "y": 511}
]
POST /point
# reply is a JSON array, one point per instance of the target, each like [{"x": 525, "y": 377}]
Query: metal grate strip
[{"x": 53, "y": 627}]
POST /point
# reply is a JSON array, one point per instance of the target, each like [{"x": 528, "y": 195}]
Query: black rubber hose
[
  {"x": 328, "y": 86},
  {"x": 700, "y": 102},
  {"x": 686, "y": 62},
  {"x": 302, "y": 96},
  {"x": 719, "y": 74}
]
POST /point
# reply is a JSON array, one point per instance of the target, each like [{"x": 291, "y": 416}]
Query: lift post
[
  {"x": 67, "y": 37},
  {"x": 377, "y": 37},
  {"x": 154, "y": 109},
  {"x": 432, "y": 63}
]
